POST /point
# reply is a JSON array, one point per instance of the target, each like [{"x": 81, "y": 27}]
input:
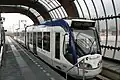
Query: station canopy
[{"x": 41, "y": 10}]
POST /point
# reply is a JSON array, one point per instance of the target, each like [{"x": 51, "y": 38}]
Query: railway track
[{"x": 100, "y": 77}]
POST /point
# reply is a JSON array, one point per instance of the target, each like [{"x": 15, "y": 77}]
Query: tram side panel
[{"x": 43, "y": 45}]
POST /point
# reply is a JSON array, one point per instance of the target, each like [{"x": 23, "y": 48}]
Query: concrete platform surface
[{"x": 19, "y": 64}]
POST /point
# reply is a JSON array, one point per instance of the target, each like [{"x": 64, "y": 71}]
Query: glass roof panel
[
  {"x": 48, "y": 0},
  {"x": 56, "y": 3},
  {"x": 85, "y": 11},
  {"x": 91, "y": 8},
  {"x": 51, "y": 14},
  {"x": 108, "y": 7},
  {"x": 18, "y": 5},
  {"x": 45, "y": 4},
  {"x": 111, "y": 31},
  {"x": 117, "y": 5},
  {"x": 34, "y": 12},
  {"x": 54, "y": 14},
  {"x": 25, "y": 7},
  {"x": 63, "y": 12},
  {"x": 8, "y": 5},
  {"x": 79, "y": 11},
  {"x": 51, "y": 7},
  {"x": 58, "y": 13},
  {"x": 118, "y": 20},
  {"x": 41, "y": 19},
  {"x": 99, "y": 7}
]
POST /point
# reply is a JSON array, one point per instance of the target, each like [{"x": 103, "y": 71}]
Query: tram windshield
[{"x": 86, "y": 42}]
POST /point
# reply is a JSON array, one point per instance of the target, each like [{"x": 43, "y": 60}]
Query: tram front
[{"x": 87, "y": 46}]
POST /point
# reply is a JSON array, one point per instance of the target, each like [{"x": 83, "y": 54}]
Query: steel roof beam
[
  {"x": 8, "y": 9},
  {"x": 30, "y": 3}
]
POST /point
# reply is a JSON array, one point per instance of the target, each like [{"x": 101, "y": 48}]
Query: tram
[{"x": 65, "y": 44}]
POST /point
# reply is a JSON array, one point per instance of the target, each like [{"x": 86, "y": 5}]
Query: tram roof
[{"x": 68, "y": 22}]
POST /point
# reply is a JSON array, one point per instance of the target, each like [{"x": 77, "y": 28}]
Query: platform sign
[{"x": 82, "y": 24}]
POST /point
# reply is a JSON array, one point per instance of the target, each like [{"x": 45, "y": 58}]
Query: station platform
[{"x": 18, "y": 64}]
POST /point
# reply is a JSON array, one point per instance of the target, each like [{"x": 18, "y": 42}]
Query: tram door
[
  {"x": 27, "y": 42},
  {"x": 34, "y": 43},
  {"x": 57, "y": 46},
  {"x": 57, "y": 51}
]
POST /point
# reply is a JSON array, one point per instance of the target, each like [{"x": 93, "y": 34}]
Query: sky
[{"x": 12, "y": 21}]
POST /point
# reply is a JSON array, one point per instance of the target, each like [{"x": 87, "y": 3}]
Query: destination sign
[{"x": 81, "y": 24}]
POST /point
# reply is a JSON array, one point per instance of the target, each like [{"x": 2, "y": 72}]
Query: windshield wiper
[
  {"x": 77, "y": 46},
  {"x": 93, "y": 51}
]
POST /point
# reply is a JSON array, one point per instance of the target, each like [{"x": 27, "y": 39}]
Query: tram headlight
[
  {"x": 99, "y": 63},
  {"x": 84, "y": 65}
]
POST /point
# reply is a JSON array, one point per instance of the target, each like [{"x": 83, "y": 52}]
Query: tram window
[
  {"x": 15, "y": 34},
  {"x": 57, "y": 45},
  {"x": 34, "y": 37},
  {"x": 46, "y": 41},
  {"x": 30, "y": 38},
  {"x": 39, "y": 39},
  {"x": 27, "y": 37},
  {"x": 22, "y": 36}
]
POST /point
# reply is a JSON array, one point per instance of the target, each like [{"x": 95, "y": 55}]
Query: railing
[
  {"x": 1, "y": 52},
  {"x": 77, "y": 68}
]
